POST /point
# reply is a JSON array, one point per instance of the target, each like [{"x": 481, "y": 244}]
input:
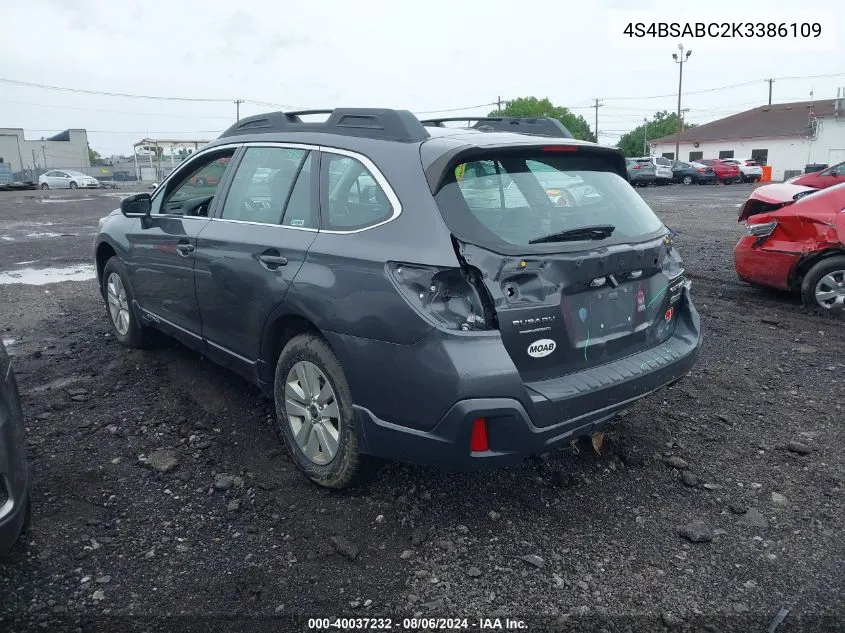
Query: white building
[
  {"x": 787, "y": 136},
  {"x": 67, "y": 150}
]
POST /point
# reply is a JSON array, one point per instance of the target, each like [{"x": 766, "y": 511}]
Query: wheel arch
[
  {"x": 280, "y": 328},
  {"x": 799, "y": 271},
  {"x": 104, "y": 252}
]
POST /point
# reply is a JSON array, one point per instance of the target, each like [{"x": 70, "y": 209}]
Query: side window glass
[
  {"x": 300, "y": 211},
  {"x": 354, "y": 199},
  {"x": 263, "y": 183},
  {"x": 193, "y": 194}
]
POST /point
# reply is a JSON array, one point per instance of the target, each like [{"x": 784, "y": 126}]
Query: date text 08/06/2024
[
  {"x": 737, "y": 30},
  {"x": 416, "y": 624}
]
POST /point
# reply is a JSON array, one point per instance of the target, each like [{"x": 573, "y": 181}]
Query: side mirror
[{"x": 137, "y": 206}]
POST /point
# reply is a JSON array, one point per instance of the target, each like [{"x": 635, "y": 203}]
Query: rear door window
[
  {"x": 352, "y": 197},
  {"x": 509, "y": 199}
]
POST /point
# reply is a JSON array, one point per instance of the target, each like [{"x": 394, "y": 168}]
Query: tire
[
  {"x": 828, "y": 273},
  {"x": 73, "y": 185},
  {"x": 687, "y": 180},
  {"x": 44, "y": 186},
  {"x": 307, "y": 352},
  {"x": 131, "y": 332}
]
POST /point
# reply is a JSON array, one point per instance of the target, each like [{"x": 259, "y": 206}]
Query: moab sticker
[{"x": 541, "y": 348}]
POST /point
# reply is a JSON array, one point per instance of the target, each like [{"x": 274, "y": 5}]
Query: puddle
[
  {"x": 32, "y": 261},
  {"x": 122, "y": 194},
  {"x": 63, "y": 200},
  {"x": 42, "y": 276},
  {"x": 43, "y": 235}
]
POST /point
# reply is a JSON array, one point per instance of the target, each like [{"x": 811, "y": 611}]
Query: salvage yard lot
[{"x": 220, "y": 521}]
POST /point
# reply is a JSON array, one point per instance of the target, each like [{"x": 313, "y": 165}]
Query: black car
[
  {"x": 15, "y": 505},
  {"x": 689, "y": 173},
  {"x": 462, "y": 297}
]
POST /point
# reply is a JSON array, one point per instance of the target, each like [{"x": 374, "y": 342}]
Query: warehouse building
[
  {"x": 787, "y": 136},
  {"x": 66, "y": 150}
]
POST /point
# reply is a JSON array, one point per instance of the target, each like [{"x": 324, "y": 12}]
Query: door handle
[
  {"x": 271, "y": 262},
  {"x": 184, "y": 249}
]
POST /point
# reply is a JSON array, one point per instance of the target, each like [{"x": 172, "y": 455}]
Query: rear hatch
[
  {"x": 643, "y": 166},
  {"x": 577, "y": 275}
]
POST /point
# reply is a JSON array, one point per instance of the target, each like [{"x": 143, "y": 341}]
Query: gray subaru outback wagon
[{"x": 455, "y": 296}]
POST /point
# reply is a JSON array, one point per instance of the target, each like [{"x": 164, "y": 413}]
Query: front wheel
[
  {"x": 73, "y": 185},
  {"x": 118, "y": 296},
  {"x": 315, "y": 414},
  {"x": 823, "y": 286}
]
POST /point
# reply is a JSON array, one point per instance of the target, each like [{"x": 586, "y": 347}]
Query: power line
[
  {"x": 64, "y": 107},
  {"x": 103, "y": 93}
]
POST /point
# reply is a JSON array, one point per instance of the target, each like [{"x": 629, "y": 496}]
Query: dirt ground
[{"x": 750, "y": 444}]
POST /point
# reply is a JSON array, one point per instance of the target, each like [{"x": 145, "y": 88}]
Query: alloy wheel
[
  {"x": 118, "y": 304},
  {"x": 830, "y": 290},
  {"x": 313, "y": 412}
]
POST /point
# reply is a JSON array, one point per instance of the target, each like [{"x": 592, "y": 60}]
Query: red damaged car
[{"x": 795, "y": 241}]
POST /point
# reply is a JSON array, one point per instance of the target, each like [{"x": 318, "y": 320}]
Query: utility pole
[
  {"x": 680, "y": 58},
  {"x": 238, "y": 103},
  {"x": 597, "y": 105},
  {"x": 770, "y": 82},
  {"x": 499, "y": 105},
  {"x": 645, "y": 138}
]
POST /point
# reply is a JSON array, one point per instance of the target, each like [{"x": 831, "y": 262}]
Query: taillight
[
  {"x": 761, "y": 230},
  {"x": 701, "y": 170},
  {"x": 637, "y": 167},
  {"x": 478, "y": 440},
  {"x": 443, "y": 296}
]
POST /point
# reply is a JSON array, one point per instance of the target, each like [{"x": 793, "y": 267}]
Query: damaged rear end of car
[
  {"x": 568, "y": 290},
  {"x": 789, "y": 230}
]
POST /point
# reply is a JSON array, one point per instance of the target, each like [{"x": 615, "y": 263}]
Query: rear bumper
[
  {"x": 536, "y": 417},
  {"x": 758, "y": 265}
]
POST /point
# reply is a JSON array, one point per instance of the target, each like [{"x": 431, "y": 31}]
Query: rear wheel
[
  {"x": 823, "y": 286},
  {"x": 44, "y": 185},
  {"x": 315, "y": 414},
  {"x": 687, "y": 180}
]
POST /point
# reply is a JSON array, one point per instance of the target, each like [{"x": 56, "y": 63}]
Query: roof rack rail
[
  {"x": 539, "y": 126},
  {"x": 376, "y": 123}
]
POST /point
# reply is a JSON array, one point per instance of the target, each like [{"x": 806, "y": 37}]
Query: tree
[
  {"x": 93, "y": 156},
  {"x": 534, "y": 107},
  {"x": 662, "y": 124}
]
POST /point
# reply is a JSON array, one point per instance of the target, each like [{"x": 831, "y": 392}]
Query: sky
[{"x": 433, "y": 58}]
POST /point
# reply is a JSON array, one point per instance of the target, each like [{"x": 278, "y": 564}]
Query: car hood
[{"x": 772, "y": 197}]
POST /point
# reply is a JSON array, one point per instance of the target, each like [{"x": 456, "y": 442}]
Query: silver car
[{"x": 66, "y": 179}]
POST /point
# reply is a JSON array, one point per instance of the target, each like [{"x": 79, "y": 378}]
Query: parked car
[
  {"x": 641, "y": 171},
  {"x": 662, "y": 168},
  {"x": 750, "y": 170},
  {"x": 829, "y": 177},
  {"x": 795, "y": 241},
  {"x": 64, "y": 179},
  {"x": 689, "y": 173},
  {"x": 725, "y": 172},
  {"x": 15, "y": 507},
  {"x": 394, "y": 299}
]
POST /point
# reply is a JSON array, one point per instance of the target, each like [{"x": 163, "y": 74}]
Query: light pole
[
  {"x": 645, "y": 138},
  {"x": 680, "y": 58}
]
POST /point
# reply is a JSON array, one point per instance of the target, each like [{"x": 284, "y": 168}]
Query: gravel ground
[{"x": 161, "y": 488}]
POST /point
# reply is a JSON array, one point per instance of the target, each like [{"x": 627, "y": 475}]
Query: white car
[
  {"x": 66, "y": 179},
  {"x": 751, "y": 170}
]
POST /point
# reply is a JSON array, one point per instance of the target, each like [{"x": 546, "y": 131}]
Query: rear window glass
[
  {"x": 663, "y": 161},
  {"x": 508, "y": 200}
]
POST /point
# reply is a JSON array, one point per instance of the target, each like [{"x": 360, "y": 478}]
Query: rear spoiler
[
  {"x": 439, "y": 170},
  {"x": 538, "y": 126}
]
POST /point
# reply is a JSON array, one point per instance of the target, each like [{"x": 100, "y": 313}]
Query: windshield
[{"x": 507, "y": 200}]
